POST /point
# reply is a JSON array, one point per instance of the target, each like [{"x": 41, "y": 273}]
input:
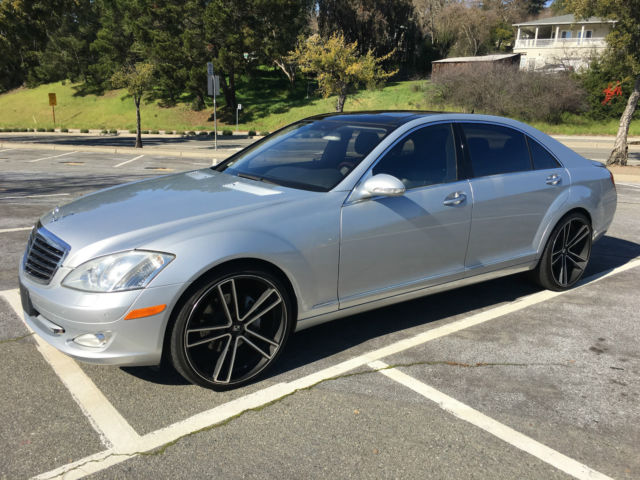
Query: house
[
  {"x": 561, "y": 43},
  {"x": 455, "y": 63}
]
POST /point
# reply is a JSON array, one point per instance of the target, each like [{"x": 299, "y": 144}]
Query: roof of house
[
  {"x": 568, "y": 19},
  {"x": 484, "y": 58}
]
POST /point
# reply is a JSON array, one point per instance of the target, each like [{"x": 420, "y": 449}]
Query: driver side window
[{"x": 424, "y": 157}]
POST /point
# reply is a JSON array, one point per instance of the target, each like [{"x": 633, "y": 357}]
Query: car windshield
[{"x": 310, "y": 155}]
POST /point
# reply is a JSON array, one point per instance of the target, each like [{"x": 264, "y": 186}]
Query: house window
[
  {"x": 587, "y": 34},
  {"x": 565, "y": 34}
]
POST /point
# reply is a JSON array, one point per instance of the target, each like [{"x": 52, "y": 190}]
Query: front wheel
[
  {"x": 231, "y": 329},
  {"x": 566, "y": 254}
]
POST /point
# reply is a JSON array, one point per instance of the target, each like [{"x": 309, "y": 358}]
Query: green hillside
[{"x": 267, "y": 104}]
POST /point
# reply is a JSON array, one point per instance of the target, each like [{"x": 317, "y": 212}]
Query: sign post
[
  {"x": 237, "y": 111},
  {"x": 53, "y": 101},
  {"x": 213, "y": 87}
]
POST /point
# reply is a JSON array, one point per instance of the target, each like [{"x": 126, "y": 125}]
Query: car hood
[{"x": 130, "y": 215}]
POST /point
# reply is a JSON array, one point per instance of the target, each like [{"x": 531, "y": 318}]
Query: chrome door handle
[
  {"x": 454, "y": 199},
  {"x": 554, "y": 179}
]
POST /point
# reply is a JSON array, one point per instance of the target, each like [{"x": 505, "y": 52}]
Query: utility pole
[{"x": 213, "y": 86}]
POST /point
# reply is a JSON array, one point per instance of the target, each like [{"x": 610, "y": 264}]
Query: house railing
[{"x": 560, "y": 42}]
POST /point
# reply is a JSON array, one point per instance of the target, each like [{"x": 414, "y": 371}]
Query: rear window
[
  {"x": 542, "y": 159},
  {"x": 496, "y": 149}
]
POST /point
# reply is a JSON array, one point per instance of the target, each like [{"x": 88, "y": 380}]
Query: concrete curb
[{"x": 218, "y": 155}]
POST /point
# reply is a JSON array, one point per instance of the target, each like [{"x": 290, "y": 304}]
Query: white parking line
[
  {"x": 632, "y": 185},
  {"x": 37, "y": 196},
  {"x": 18, "y": 229},
  {"x": 128, "y": 161},
  {"x": 7, "y": 150},
  {"x": 102, "y": 460},
  {"x": 53, "y": 156},
  {"x": 488, "y": 424},
  {"x": 113, "y": 429}
]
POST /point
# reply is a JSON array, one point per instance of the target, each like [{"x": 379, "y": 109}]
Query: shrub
[
  {"x": 104, "y": 132},
  {"x": 49, "y": 129},
  {"x": 146, "y": 132},
  {"x": 155, "y": 132},
  {"x": 28, "y": 129},
  {"x": 133, "y": 130},
  {"x": 84, "y": 130},
  {"x": 168, "y": 132},
  {"x": 264, "y": 134},
  {"x": 113, "y": 131},
  {"x": 191, "y": 132},
  {"x": 505, "y": 90},
  {"x": 203, "y": 133},
  {"x": 252, "y": 133},
  {"x": 39, "y": 129},
  {"x": 227, "y": 133},
  {"x": 64, "y": 130},
  {"x": 182, "y": 133},
  {"x": 601, "y": 74},
  {"x": 24, "y": 129}
]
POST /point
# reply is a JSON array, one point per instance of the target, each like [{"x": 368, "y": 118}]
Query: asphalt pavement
[{"x": 496, "y": 380}]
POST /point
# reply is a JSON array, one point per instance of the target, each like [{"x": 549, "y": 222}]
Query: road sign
[
  {"x": 53, "y": 101},
  {"x": 213, "y": 85},
  {"x": 239, "y": 106},
  {"x": 209, "y": 68}
]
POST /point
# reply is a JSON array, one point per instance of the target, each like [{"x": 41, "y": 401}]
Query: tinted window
[
  {"x": 541, "y": 158},
  {"x": 313, "y": 155},
  {"x": 424, "y": 157},
  {"x": 494, "y": 149}
]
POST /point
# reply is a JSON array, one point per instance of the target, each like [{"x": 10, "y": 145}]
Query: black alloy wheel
[
  {"x": 566, "y": 254},
  {"x": 231, "y": 330}
]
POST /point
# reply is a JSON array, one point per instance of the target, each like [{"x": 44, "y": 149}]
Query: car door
[
  {"x": 512, "y": 194},
  {"x": 390, "y": 245}
]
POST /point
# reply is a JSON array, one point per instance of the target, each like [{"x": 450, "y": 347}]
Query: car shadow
[{"x": 331, "y": 338}]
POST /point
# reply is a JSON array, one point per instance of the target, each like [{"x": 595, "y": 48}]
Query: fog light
[{"x": 92, "y": 339}]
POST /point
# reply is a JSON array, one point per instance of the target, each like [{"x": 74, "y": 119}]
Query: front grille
[{"x": 45, "y": 252}]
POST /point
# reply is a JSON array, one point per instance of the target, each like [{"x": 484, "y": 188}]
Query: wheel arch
[{"x": 235, "y": 263}]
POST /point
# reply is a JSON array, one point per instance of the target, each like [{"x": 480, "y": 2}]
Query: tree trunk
[
  {"x": 620, "y": 149},
  {"x": 136, "y": 99},
  {"x": 289, "y": 71},
  {"x": 229, "y": 92},
  {"x": 341, "y": 98}
]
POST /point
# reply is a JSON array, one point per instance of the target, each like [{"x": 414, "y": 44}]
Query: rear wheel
[
  {"x": 566, "y": 254},
  {"x": 232, "y": 329}
]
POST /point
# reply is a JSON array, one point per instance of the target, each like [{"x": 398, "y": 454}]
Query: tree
[
  {"x": 338, "y": 66},
  {"x": 623, "y": 47},
  {"x": 137, "y": 79},
  {"x": 282, "y": 22},
  {"x": 379, "y": 26}
]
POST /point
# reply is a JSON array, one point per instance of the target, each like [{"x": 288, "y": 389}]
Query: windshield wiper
[{"x": 256, "y": 178}]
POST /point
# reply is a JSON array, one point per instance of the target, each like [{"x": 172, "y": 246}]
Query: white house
[{"x": 560, "y": 43}]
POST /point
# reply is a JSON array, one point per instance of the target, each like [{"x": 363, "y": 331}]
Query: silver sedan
[{"x": 330, "y": 216}]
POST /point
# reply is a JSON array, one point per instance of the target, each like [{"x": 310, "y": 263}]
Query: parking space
[{"x": 496, "y": 380}]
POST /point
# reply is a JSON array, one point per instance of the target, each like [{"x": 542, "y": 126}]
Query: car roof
[{"x": 386, "y": 118}]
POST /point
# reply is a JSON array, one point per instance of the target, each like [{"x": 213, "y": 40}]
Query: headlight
[{"x": 118, "y": 272}]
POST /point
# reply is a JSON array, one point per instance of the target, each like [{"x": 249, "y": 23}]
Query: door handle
[
  {"x": 454, "y": 199},
  {"x": 554, "y": 179}
]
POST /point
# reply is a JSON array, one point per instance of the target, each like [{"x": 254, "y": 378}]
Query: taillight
[{"x": 612, "y": 179}]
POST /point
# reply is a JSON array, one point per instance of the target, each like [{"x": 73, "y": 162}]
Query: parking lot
[{"x": 497, "y": 380}]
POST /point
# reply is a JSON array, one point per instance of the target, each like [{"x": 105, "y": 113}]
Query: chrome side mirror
[{"x": 381, "y": 184}]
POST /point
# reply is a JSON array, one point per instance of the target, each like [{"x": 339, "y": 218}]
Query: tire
[
  {"x": 231, "y": 329},
  {"x": 566, "y": 254}
]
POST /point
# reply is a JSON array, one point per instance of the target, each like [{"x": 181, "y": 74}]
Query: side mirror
[{"x": 381, "y": 184}]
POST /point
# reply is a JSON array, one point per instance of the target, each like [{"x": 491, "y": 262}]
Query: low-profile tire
[
  {"x": 231, "y": 329},
  {"x": 566, "y": 254}
]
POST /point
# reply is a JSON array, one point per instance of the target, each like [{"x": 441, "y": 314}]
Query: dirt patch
[{"x": 628, "y": 173}]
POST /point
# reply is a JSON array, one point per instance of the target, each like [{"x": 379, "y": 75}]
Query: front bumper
[{"x": 62, "y": 314}]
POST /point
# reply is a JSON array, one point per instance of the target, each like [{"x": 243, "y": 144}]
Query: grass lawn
[{"x": 267, "y": 104}]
